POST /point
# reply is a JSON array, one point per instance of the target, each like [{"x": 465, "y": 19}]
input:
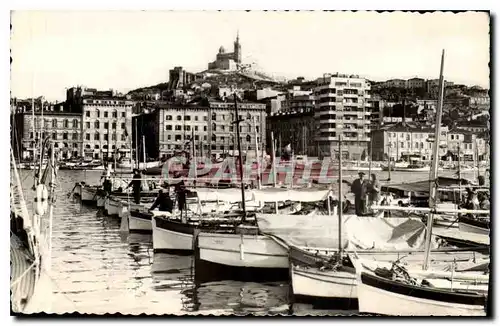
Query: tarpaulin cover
[
  {"x": 322, "y": 231},
  {"x": 296, "y": 195}
]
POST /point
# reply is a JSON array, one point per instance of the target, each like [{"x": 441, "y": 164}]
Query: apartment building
[{"x": 342, "y": 108}]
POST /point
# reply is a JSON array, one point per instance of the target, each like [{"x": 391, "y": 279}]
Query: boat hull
[
  {"x": 380, "y": 296},
  {"x": 169, "y": 236},
  {"x": 466, "y": 227},
  {"x": 313, "y": 283},
  {"x": 237, "y": 250},
  {"x": 138, "y": 222}
]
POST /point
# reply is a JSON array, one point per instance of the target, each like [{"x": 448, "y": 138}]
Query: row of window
[
  {"x": 213, "y": 147},
  {"x": 114, "y": 114},
  {"x": 104, "y": 146},
  {"x": 65, "y": 136},
  {"x": 105, "y": 125},
  {"x": 53, "y": 123},
  {"x": 105, "y": 137},
  {"x": 214, "y": 117},
  {"x": 248, "y": 138},
  {"x": 214, "y": 128}
]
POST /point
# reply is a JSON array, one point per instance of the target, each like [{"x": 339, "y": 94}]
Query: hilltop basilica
[{"x": 228, "y": 61}]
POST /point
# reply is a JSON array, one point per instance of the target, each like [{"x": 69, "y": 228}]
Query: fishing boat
[
  {"x": 30, "y": 240},
  {"x": 474, "y": 225},
  {"x": 394, "y": 290}
]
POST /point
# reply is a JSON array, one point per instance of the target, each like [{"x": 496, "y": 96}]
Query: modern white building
[{"x": 342, "y": 108}]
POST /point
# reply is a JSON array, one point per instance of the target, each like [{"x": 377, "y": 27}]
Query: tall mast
[
  {"x": 136, "y": 146},
  {"x": 194, "y": 155},
  {"x": 240, "y": 167},
  {"x": 434, "y": 169},
  {"x": 340, "y": 200},
  {"x": 144, "y": 150},
  {"x": 257, "y": 156},
  {"x": 273, "y": 158}
]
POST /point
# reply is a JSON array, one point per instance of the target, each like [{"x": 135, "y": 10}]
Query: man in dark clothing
[
  {"x": 180, "y": 191},
  {"x": 163, "y": 202},
  {"x": 360, "y": 189},
  {"x": 136, "y": 186},
  {"x": 374, "y": 191}
]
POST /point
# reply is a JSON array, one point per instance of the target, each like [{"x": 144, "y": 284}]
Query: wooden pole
[
  {"x": 273, "y": 160},
  {"x": 434, "y": 169},
  {"x": 240, "y": 158},
  {"x": 340, "y": 200},
  {"x": 257, "y": 156}
]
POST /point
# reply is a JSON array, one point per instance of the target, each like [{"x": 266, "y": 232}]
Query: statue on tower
[{"x": 237, "y": 49}]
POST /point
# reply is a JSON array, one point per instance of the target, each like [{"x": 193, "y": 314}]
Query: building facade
[
  {"x": 63, "y": 127},
  {"x": 416, "y": 82},
  {"x": 342, "y": 109},
  {"x": 467, "y": 144},
  {"x": 106, "y": 127},
  {"x": 172, "y": 127},
  {"x": 395, "y": 83},
  {"x": 401, "y": 140},
  {"x": 294, "y": 128}
]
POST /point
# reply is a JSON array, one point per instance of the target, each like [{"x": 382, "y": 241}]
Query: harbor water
[{"x": 97, "y": 269}]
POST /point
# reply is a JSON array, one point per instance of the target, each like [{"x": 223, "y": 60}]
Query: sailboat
[
  {"x": 30, "y": 239},
  {"x": 394, "y": 290}
]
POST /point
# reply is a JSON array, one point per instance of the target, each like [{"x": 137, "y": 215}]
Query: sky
[{"x": 123, "y": 50}]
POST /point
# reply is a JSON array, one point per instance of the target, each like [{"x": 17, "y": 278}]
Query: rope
[{"x": 22, "y": 275}]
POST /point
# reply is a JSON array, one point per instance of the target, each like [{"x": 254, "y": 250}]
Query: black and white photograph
[{"x": 250, "y": 163}]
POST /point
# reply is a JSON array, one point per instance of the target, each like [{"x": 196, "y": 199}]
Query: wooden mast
[
  {"x": 340, "y": 208},
  {"x": 240, "y": 167},
  {"x": 434, "y": 169}
]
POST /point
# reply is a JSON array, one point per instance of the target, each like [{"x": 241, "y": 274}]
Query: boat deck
[{"x": 20, "y": 262}]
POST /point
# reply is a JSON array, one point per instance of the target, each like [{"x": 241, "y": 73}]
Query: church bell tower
[{"x": 237, "y": 49}]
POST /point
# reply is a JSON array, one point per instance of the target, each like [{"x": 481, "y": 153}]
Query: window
[
  {"x": 124, "y": 138},
  {"x": 75, "y": 136},
  {"x": 214, "y": 116},
  {"x": 87, "y": 125},
  {"x": 96, "y": 125},
  {"x": 75, "y": 145},
  {"x": 178, "y": 137},
  {"x": 169, "y": 137},
  {"x": 222, "y": 138},
  {"x": 87, "y": 136},
  {"x": 257, "y": 128},
  {"x": 54, "y": 123},
  {"x": 222, "y": 127},
  {"x": 205, "y": 118},
  {"x": 105, "y": 114},
  {"x": 113, "y": 125},
  {"x": 196, "y": 137},
  {"x": 249, "y": 138},
  {"x": 115, "y": 114},
  {"x": 106, "y": 125},
  {"x": 54, "y": 135},
  {"x": 187, "y": 118},
  {"x": 187, "y": 128},
  {"x": 179, "y": 118},
  {"x": 65, "y": 135},
  {"x": 407, "y": 136},
  {"x": 96, "y": 146},
  {"x": 214, "y": 127},
  {"x": 87, "y": 146},
  {"x": 75, "y": 123},
  {"x": 96, "y": 136},
  {"x": 222, "y": 147},
  {"x": 214, "y": 139},
  {"x": 66, "y": 123},
  {"x": 113, "y": 136},
  {"x": 402, "y": 145},
  {"x": 168, "y": 127},
  {"x": 205, "y": 129},
  {"x": 195, "y": 118},
  {"x": 249, "y": 117},
  {"x": 231, "y": 128},
  {"x": 123, "y": 125},
  {"x": 178, "y": 127},
  {"x": 106, "y": 137},
  {"x": 123, "y": 114},
  {"x": 195, "y": 128},
  {"x": 204, "y": 137},
  {"x": 98, "y": 114},
  {"x": 56, "y": 145},
  {"x": 87, "y": 114},
  {"x": 168, "y": 117}
]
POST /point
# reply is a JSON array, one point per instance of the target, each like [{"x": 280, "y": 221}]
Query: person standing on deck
[
  {"x": 374, "y": 193},
  {"x": 163, "y": 202},
  {"x": 359, "y": 187},
  {"x": 136, "y": 184},
  {"x": 180, "y": 191}
]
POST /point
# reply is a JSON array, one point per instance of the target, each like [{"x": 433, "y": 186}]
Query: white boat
[
  {"x": 171, "y": 235},
  {"x": 86, "y": 192},
  {"x": 242, "y": 250},
  {"x": 139, "y": 222},
  {"x": 142, "y": 166},
  {"x": 380, "y": 295}
]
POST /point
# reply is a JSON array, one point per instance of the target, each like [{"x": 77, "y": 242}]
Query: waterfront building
[
  {"x": 342, "y": 108},
  {"x": 62, "y": 126},
  {"x": 171, "y": 126},
  {"x": 106, "y": 122},
  {"x": 295, "y": 128},
  {"x": 400, "y": 140}
]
